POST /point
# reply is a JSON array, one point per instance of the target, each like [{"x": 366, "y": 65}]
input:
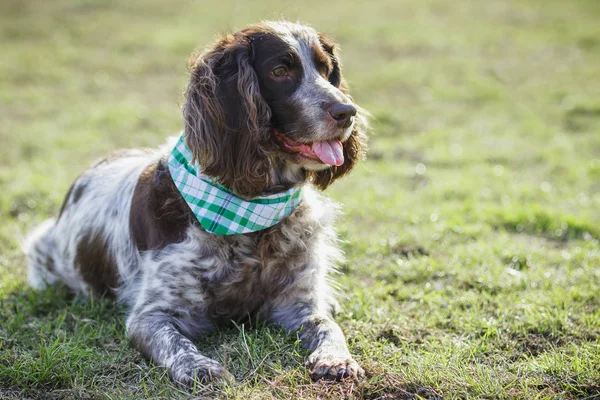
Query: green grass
[{"x": 472, "y": 232}]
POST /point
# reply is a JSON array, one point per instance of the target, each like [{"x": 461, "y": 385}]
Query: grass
[{"x": 472, "y": 232}]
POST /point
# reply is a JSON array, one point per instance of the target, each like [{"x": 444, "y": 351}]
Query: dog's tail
[
  {"x": 38, "y": 246},
  {"x": 36, "y": 235}
]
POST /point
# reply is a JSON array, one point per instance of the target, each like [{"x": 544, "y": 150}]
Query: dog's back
[{"x": 84, "y": 247}]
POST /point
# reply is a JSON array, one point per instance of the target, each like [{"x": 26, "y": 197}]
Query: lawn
[{"x": 471, "y": 232}]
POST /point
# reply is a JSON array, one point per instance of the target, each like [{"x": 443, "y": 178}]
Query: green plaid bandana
[{"x": 220, "y": 211}]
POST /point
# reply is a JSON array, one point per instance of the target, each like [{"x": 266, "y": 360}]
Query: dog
[{"x": 268, "y": 122}]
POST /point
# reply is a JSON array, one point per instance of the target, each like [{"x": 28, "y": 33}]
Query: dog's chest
[{"x": 233, "y": 277}]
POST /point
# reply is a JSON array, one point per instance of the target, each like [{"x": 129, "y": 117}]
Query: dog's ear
[
  {"x": 226, "y": 118},
  {"x": 355, "y": 147},
  {"x": 335, "y": 76}
]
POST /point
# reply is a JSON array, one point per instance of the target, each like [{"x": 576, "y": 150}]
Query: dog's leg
[
  {"x": 330, "y": 357},
  {"x": 156, "y": 337}
]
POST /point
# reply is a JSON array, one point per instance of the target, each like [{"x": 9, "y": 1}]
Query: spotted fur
[{"x": 124, "y": 230}]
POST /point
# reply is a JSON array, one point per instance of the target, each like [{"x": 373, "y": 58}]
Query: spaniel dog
[{"x": 267, "y": 115}]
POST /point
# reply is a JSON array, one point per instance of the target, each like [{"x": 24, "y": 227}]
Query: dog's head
[{"x": 270, "y": 102}]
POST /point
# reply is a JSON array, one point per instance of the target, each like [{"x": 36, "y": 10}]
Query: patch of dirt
[
  {"x": 480, "y": 287},
  {"x": 375, "y": 155},
  {"x": 590, "y": 391},
  {"x": 397, "y": 336},
  {"x": 49, "y": 394},
  {"x": 391, "y": 336},
  {"x": 409, "y": 250},
  {"x": 377, "y": 385},
  {"x": 532, "y": 343},
  {"x": 392, "y": 386},
  {"x": 580, "y": 119},
  {"x": 588, "y": 43}
]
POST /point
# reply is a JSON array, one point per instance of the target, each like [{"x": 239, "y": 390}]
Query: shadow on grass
[
  {"x": 539, "y": 221},
  {"x": 54, "y": 341},
  {"x": 57, "y": 345}
]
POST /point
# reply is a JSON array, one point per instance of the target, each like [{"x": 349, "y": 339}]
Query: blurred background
[
  {"x": 464, "y": 80},
  {"x": 477, "y": 210},
  {"x": 481, "y": 84}
]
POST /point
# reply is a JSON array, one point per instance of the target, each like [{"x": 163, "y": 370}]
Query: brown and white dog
[{"x": 266, "y": 109}]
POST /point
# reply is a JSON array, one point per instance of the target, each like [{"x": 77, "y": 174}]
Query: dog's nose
[{"x": 342, "y": 113}]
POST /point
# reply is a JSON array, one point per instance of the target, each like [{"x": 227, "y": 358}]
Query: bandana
[{"x": 217, "y": 209}]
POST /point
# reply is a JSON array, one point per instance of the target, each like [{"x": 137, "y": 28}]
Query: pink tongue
[{"x": 330, "y": 152}]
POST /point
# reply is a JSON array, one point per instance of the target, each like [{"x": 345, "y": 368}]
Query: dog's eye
[{"x": 279, "y": 71}]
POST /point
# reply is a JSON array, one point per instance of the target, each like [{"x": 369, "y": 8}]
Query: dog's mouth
[{"x": 329, "y": 152}]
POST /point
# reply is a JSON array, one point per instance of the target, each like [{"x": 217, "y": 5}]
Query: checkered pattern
[{"x": 220, "y": 211}]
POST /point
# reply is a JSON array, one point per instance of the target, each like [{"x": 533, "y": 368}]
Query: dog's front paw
[
  {"x": 197, "y": 368},
  {"x": 333, "y": 366}
]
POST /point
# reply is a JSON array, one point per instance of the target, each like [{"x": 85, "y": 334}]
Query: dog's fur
[{"x": 125, "y": 231}]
